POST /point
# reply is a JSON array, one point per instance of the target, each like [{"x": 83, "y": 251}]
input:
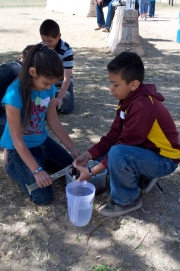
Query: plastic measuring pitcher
[{"x": 80, "y": 197}]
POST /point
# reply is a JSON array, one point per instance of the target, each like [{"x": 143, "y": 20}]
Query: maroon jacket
[{"x": 143, "y": 121}]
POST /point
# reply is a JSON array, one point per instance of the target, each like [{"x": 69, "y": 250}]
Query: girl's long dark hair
[{"x": 47, "y": 64}]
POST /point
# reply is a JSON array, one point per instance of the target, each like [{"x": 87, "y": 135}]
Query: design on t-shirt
[{"x": 36, "y": 126}]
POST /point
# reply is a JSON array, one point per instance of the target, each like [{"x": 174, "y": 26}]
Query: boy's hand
[
  {"x": 82, "y": 159},
  {"x": 58, "y": 102},
  {"x": 84, "y": 173}
]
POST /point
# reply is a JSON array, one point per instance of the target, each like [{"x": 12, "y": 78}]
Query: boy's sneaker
[
  {"x": 146, "y": 183},
  {"x": 113, "y": 209},
  {"x": 117, "y": 3}
]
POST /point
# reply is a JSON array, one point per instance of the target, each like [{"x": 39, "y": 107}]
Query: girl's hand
[
  {"x": 84, "y": 173},
  {"x": 75, "y": 153},
  {"x": 42, "y": 178},
  {"x": 83, "y": 159}
]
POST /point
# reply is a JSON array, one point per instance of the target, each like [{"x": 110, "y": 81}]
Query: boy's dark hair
[
  {"x": 49, "y": 28},
  {"x": 47, "y": 64},
  {"x": 25, "y": 51},
  {"x": 129, "y": 65}
]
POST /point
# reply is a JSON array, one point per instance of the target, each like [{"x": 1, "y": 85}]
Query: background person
[
  {"x": 51, "y": 37},
  {"x": 102, "y": 24},
  {"x": 143, "y": 9},
  {"x": 152, "y": 8}
]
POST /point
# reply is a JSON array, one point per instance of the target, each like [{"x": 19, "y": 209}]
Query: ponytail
[{"x": 47, "y": 63}]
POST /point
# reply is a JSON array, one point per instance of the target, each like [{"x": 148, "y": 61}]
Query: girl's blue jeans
[
  {"x": 127, "y": 163},
  {"x": 100, "y": 14},
  {"x": 50, "y": 156}
]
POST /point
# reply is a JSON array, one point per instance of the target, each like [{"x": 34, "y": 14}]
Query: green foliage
[
  {"x": 139, "y": 247},
  {"x": 103, "y": 267},
  {"x": 78, "y": 238}
]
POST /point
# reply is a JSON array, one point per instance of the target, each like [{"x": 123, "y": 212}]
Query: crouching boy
[{"x": 142, "y": 140}]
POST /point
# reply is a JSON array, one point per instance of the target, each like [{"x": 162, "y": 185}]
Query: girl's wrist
[
  {"x": 37, "y": 170},
  {"x": 73, "y": 149}
]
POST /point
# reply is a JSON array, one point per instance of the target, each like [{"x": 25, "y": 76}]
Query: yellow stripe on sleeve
[
  {"x": 150, "y": 99},
  {"x": 157, "y": 136}
]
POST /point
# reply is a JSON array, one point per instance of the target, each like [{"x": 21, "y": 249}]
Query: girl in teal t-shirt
[{"x": 29, "y": 151}]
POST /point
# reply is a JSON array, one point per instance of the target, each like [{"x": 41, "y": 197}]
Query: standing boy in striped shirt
[{"x": 51, "y": 37}]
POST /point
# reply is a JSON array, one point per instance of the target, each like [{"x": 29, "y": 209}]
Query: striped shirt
[{"x": 65, "y": 53}]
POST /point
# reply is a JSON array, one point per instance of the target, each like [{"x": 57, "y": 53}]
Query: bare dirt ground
[{"x": 42, "y": 238}]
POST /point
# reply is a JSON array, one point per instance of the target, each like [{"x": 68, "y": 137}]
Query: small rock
[
  {"x": 162, "y": 245},
  {"x": 174, "y": 233},
  {"x": 98, "y": 257}
]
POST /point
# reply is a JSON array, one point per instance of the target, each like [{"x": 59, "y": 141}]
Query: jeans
[
  {"x": 143, "y": 7},
  {"x": 151, "y": 8},
  {"x": 50, "y": 156},
  {"x": 127, "y": 163},
  {"x": 2, "y": 123},
  {"x": 100, "y": 14},
  {"x": 67, "y": 105}
]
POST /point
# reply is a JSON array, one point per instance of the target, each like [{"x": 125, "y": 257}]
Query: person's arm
[
  {"x": 59, "y": 129},
  {"x": 64, "y": 87},
  {"x": 15, "y": 126}
]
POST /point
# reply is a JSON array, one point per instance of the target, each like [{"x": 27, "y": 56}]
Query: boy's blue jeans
[
  {"x": 127, "y": 163},
  {"x": 2, "y": 123},
  {"x": 67, "y": 105},
  {"x": 100, "y": 14},
  {"x": 50, "y": 156}
]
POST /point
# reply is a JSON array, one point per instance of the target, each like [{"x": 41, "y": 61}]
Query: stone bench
[{"x": 124, "y": 32}]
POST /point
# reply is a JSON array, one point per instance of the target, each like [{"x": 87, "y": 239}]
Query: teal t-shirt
[{"x": 35, "y": 134}]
